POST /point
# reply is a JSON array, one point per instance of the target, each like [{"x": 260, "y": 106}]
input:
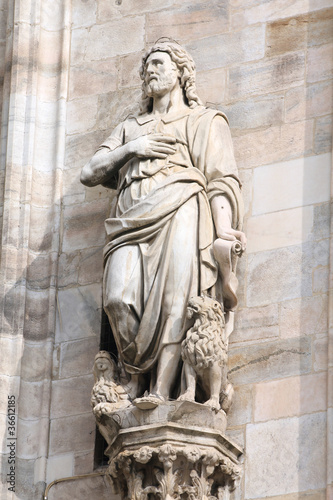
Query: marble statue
[{"x": 175, "y": 232}]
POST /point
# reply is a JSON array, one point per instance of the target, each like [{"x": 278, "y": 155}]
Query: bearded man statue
[{"x": 178, "y": 192}]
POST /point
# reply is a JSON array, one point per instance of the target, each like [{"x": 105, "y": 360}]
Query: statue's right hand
[{"x": 153, "y": 146}]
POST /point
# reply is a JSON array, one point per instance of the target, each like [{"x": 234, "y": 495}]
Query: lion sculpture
[
  {"x": 204, "y": 353},
  {"x": 107, "y": 394}
]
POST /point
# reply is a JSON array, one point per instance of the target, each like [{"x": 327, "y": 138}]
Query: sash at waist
[{"x": 146, "y": 217}]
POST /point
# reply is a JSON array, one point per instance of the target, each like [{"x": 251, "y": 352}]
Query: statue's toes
[{"x": 214, "y": 404}]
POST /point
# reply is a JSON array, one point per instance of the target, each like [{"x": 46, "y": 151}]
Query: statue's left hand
[{"x": 227, "y": 233}]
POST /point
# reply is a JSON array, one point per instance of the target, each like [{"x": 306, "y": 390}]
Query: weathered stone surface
[
  {"x": 85, "y": 489},
  {"x": 40, "y": 310},
  {"x": 290, "y": 397},
  {"x": 33, "y": 431},
  {"x": 84, "y": 225},
  {"x": 59, "y": 466},
  {"x": 96, "y": 78},
  {"x": 302, "y": 495},
  {"x": 279, "y": 229},
  {"x": 32, "y": 403},
  {"x": 107, "y": 40},
  {"x": 266, "y": 76},
  {"x": 116, "y": 106},
  {"x": 41, "y": 270},
  {"x": 269, "y": 360},
  {"x": 288, "y": 453},
  {"x": 263, "y": 111},
  {"x": 82, "y": 114},
  {"x": 42, "y": 188},
  {"x": 320, "y": 280},
  {"x": 83, "y": 13},
  {"x": 320, "y": 63},
  {"x": 73, "y": 190},
  {"x": 313, "y": 28},
  {"x": 44, "y": 229},
  {"x": 241, "y": 409},
  {"x": 80, "y": 147},
  {"x": 79, "y": 313},
  {"x": 246, "y": 178},
  {"x": 323, "y": 135},
  {"x": 71, "y": 396},
  {"x": 91, "y": 266},
  {"x": 300, "y": 182},
  {"x": 71, "y": 434},
  {"x": 212, "y": 86},
  {"x": 129, "y": 71},
  {"x": 304, "y": 316},
  {"x": 273, "y": 144},
  {"x": 223, "y": 50},
  {"x": 111, "y": 10},
  {"x": 68, "y": 269},
  {"x": 320, "y": 351},
  {"x": 255, "y": 317},
  {"x": 286, "y": 266},
  {"x": 35, "y": 361},
  {"x": 190, "y": 22},
  {"x": 259, "y": 12},
  {"x": 84, "y": 463},
  {"x": 320, "y": 27},
  {"x": 308, "y": 102},
  {"x": 77, "y": 358},
  {"x": 253, "y": 334}
]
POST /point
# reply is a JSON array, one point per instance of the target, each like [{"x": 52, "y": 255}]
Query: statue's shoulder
[{"x": 204, "y": 113}]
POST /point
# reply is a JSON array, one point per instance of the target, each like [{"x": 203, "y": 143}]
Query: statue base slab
[{"x": 177, "y": 450}]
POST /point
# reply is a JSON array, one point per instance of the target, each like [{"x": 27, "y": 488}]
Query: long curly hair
[{"x": 184, "y": 63}]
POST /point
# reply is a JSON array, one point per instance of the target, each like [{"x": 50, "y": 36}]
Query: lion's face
[{"x": 204, "y": 306}]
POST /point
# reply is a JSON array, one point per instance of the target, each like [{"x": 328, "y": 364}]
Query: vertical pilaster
[{"x": 32, "y": 155}]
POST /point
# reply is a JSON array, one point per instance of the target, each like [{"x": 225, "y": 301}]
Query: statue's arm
[
  {"x": 106, "y": 162},
  {"x": 222, "y": 216},
  {"x": 222, "y": 171}
]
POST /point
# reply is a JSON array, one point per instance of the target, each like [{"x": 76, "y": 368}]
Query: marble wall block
[
  {"x": 290, "y": 397},
  {"x": 295, "y": 466},
  {"x": 267, "y": 75},
  {"x": 71, "y": 396},
  {"x": 224, "y": 50},
  {"x": 190, "y": 22},
  {"x": 274, "y": 144},
  {"x": 72, "y": 434},
  {"x": 255, "y": 12},
  {"x": 106, "y": 40},
  {"x": 269, "y": 360},
  {"x": 304, "y": 181},
  {"x": 79, "y": 312}
]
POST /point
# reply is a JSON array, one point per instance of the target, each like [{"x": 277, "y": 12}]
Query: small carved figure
[
  {"x": 204, "y": 352},
  {"x": 107, "y": 395}
]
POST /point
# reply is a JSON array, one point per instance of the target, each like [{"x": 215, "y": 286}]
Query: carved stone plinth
[{"x": 175, "y": 451}]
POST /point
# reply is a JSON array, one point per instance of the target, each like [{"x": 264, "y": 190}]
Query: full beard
[{"x": 156, "y": 87}]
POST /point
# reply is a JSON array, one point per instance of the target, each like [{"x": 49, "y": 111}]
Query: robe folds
[{"x": 159, "y": 249}]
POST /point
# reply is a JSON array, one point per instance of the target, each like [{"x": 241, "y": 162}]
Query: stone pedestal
[{"x": 175, "y": 451}]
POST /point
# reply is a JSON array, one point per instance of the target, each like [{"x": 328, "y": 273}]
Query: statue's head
[
  {"x": 185, "y": 65},
  {"x": 104, "y": 365}
]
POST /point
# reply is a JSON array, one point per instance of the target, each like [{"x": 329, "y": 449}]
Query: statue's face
[
  {"x": 102, "y": 364},
  {"x": 161, "y": 74}
]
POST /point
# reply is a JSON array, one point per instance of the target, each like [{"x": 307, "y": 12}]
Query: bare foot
[
  {"x": 214, "y": 403},
  {"x": 187, "y": 396}
]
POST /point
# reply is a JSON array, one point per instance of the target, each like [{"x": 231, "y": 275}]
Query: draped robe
[{"x": 160, "y": 235}]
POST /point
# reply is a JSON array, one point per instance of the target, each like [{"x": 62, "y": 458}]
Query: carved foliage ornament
[{"x": 168, "y": 472}]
